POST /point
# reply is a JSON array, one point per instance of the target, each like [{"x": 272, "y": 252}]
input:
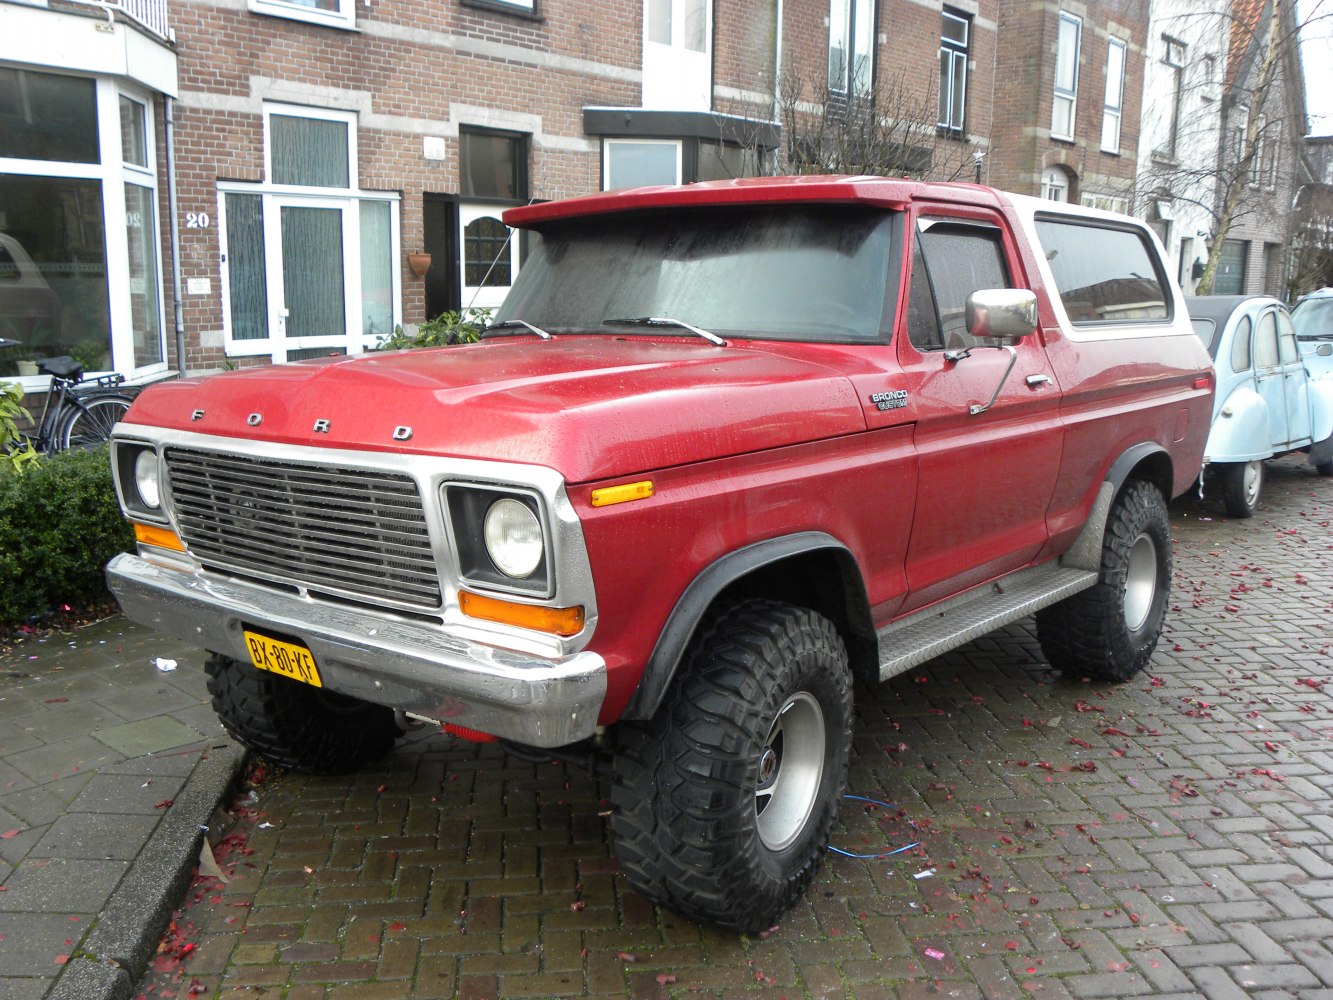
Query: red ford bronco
[{"x": 724, "y": 447}]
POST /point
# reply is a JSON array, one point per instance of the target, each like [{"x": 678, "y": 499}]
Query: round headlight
[
  {"x": 146, "y": 478},
  {"x": 513, "y": 538}
]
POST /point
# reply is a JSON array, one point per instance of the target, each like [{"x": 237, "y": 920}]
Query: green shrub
[
  {"x": 14, "y": 450},
  {"x": 445, "y": 329},
  {"x": 59, "y": 524}
]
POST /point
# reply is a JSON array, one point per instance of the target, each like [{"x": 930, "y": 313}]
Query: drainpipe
[{"x": 178, "y": 308}]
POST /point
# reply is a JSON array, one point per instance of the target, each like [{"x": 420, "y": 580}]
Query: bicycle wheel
[{"x": 90, "y": 419}]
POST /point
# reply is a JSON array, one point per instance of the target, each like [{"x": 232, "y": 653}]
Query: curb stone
[{"x": 119, "y": 947}]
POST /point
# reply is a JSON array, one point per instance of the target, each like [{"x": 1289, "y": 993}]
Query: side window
[
  {"x": 950, "y": 262},
  {"x": 1104, "y": 273},
  {"x": 1240, "y": 346},
  {"x": 1286, "y": 339},
  {"x": 1265, "y": 342}
]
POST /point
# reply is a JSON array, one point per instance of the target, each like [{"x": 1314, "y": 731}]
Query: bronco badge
[{"x": 894, "y": 399}]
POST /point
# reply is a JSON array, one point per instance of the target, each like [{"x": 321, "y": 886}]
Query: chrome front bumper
[{"x": 415, "y": 667}]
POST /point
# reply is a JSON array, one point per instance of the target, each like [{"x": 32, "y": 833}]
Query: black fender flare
[
  {"x": 699, "y": 596},
  {"x": 1132, "y": 457}
]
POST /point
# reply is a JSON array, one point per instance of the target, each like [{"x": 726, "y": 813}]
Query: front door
[
  {"x": 677, "y": 61},
  {"x": 985, "y": 478},
  {"x": 488, "y": 257},
  {"x": 309, "y": 304},
  {"x": 1296, "y": 383}
]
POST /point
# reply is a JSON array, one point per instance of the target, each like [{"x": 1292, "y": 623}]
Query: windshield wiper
[
  {"x": 712, "y": 338},
  {"x": 514, "y": 324}
]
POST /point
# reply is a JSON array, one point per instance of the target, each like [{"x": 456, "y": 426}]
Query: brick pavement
[{"x": 1169, "y": 838}]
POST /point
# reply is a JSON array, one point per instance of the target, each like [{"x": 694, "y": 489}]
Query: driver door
[{"x": 986, "y": 477}]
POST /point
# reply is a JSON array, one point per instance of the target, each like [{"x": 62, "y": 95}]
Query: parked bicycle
[{"x": 77, "y": 413}]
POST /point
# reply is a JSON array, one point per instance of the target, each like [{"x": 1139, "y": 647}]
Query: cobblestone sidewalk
[{"x": 1172, "y": 837}]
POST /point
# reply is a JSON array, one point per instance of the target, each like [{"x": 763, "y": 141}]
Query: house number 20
[{"x": 197, "y": 220}]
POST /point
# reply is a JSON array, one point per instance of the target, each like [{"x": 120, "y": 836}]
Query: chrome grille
[{"x": 353, "y": 533}]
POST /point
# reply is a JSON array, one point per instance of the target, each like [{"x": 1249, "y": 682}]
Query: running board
[{"x": 933, "y": 631}]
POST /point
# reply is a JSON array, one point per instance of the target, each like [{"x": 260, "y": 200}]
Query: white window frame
[
  {"x": 608, "y": 144},
  {"x": 111, "y": 173},
  {"x": 1113, "y": 104},
  {"x": 955, "y": 52},
  {"x": 144, "y": 177},
  {"x": 1066, "y": 96},
  {"x": 347, "y": 118},
  {"x": 1055, "y": 179},
  {"x": 852, "y": 13},
  {"x": 347, "y": 200},
  {"x": 344, "y": 17}
]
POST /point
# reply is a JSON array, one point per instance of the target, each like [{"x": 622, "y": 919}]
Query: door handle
[{"x": 1035, "y": 380}]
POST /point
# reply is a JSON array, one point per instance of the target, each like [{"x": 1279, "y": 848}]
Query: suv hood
[{"x": 589, "y": 407}]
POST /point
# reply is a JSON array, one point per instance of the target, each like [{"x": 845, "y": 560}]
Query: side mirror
[
  {"x": 1002, "y": 314},
  {"x": 1324, "y": 350}
]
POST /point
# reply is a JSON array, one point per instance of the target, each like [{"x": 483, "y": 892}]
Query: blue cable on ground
[{"x": 882, "y": 854}]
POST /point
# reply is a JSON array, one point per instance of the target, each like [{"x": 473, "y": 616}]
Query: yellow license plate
[{"x": 284, "y": 658}]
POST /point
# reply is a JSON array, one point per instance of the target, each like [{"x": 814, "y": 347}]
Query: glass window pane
[
  {"x": 839, "y": 24},
  {"x": 719, "y": 161},
  {"x": 659, "y": 21},
  {"x": 145, "y": 311},
  {"x": 1062, "y": 116},
  {"x": 312, "y": 271},
  {"x": 1240, "y": 346},
  {"x": 863, "y": 44},
  {"x": 1115, "y": 73},
  {"x": 955, "y": 28},
  {"x": 376, "y": 269},
  {"x": 1265, "y": 342},
  {"x": 1119, "y": 283},
  {"x": 246, "y": 269},
  {"x": 960, "y": 261},
  {"x": 48, "y": 117},
  {"x": 1066, "y": 63},
  {"x": 133, "y": 138},
  {"x": 635, "y": 164},
  {"x": 53, "y": 287},
  {"x": 696, "y": 25},
  {"x": 488, "y": 165},
  {"x": 1287, "y": 340},
  {"x": 486, "y": 254},
  {"x": 309, "y": 151}
]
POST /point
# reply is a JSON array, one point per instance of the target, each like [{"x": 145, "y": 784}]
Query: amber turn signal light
[
  {"x": 622, "y": 494},
  {"x": 556, "y": 621},
  {"x": 163, "y": 538}
]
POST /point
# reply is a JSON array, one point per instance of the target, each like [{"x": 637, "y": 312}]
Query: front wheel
[
  {"x": 1242, "y": 486},
  {"x": 91, "y": 419},
  {"x": 724, "y": 802},
  {"x": 295, "y": 725},
  {"x": 1108, "y": 631}
]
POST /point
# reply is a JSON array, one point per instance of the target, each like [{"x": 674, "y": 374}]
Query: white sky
[{"x": 1317, "y": 57}]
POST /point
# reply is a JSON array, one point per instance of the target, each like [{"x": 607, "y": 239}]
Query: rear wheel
[
  {"x": 1242, "y": 487},
  {"x": 295, "y": 725},
  {"x": 1108, "y": 631},
  {"x": 725, "y": 800},
  {"x": 91, "y": 419}
]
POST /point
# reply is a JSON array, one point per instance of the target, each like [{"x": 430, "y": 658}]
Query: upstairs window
[
  {"x": 331, "y": 13},
  {"x": 1113, "y": 102},
  {"x": 954, "y": 40},
  {"x": 1174, "y": 54},
  {"x": 1066, "y": 76},
  {"x": 851, "y": 46}
]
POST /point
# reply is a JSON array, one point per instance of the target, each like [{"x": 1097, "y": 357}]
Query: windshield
[
  {"x": 1313, "y": 318},
  {"x": 788, "y": 272}
]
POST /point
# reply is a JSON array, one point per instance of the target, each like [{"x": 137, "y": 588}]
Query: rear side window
[
  {"x": 1265, "y": 342},
  {"x": 1240, "y": 346},
  {"x": 1103, "y": 274}
]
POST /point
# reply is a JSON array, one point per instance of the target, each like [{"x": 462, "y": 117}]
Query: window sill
[
  {"x": 304, "y": 15},
  {"x": 500, "y": 7}
]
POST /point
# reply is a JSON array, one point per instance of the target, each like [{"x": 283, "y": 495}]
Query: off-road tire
[
  {"x": 295, "y": 725},
  {"x": 1324, "y": 468},
  {"x": 1242, "y": 487},
  {"x": 1109, "y": 631},
  {"x": 694, "y": 831}
]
